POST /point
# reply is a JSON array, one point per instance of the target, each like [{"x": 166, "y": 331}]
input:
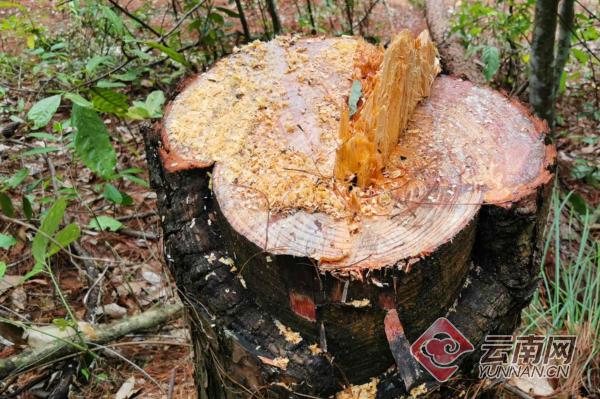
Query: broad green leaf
[
  {"x": 151, "y": 108},
  {"x": 173, "y": 54},
  {"x": 42, "y": 112},
  {"x": 491, "y": 60},
  {"x": 355, "y": 94},
  {"x": 77, "y": 99},
  {"x": 216, "y": 18},
  {"x": 580, "y": 55},
  {"x": 94, "y": 62},
  {"x": 110, "y": 101},
  {"x": 27, "y": 208},
  {"x": 17, "y": 178},
  {"x": 112, "y": 194},
  {"x": 100, "y": 223},
  {"x": 92, "y": 142},
  {"x": 128, "y": 76},
  {"x": 6, "y": 205},
  {"x": 2, "y": 269},
  {"x": 137, "y": 112},
  {"x": 6, "y": 241},
  {"x": 64, "y": 237},
  {"x": 154, "y": 103},
  {"x": 49, "y": 225}
]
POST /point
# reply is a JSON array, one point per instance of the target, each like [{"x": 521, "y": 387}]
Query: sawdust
[
  {"x": 364, "y": 391},
  {"x": 269, "y": 115}
]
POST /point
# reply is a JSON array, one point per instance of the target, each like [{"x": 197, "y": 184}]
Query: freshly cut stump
[{"x": 297, "y": 276}]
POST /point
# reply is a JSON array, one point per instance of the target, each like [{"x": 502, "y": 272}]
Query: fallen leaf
[
  {"x": 127, "y": 389},
  {"x": 7, "y": 282},
  {"x": 113, "y": 310},
  {"x": 533, "y": 385}
]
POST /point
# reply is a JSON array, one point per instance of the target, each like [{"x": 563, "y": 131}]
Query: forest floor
[{"x": 132, "y": 274}]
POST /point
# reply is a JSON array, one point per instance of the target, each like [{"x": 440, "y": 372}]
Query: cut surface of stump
[{"x": 268, "y": 119}]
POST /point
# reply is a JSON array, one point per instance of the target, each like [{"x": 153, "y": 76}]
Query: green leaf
[
  {"x": 38, "y": 151},
  {"x": 154, "y": 103},
  {"x": 106, "y": 100},
  {"x": 491, "y": 60},
  {"x": 112, "y": 194},
  {"x": 108, "y": 84},
  {"x": 77, "y": 99},
  {"x": 92, "y": 142},
  {"x": 151, "y": 108},
  {"x": 94, "y": 62},
  {"x": 64, "y": 237},
  {"x": 580, "y": 55},
  {"x": 578, "y": 204},
  {"x": 17, "y": 178},
  {"x": 11, "y": 4},
  {"x": 173, "y": 54},
  {"x": 7, "y": 241},
  {"x": 216, "y": 18},
  {"x": 100, "y": 223},
  {"x": 2, "y": 269},
  {"x": 355, "y": 95},
  {"x": 6, "y": 205},
  {"x": 229, "y": 12},
  {"x": 42, "y": 112},
  {"x": 49, "y": 225},
  {"x": 27, "y": 208},
  {"x": 43, "y": 136},
  {"x": 135, "y": 180},
  {"x": 37, "y": 268}
]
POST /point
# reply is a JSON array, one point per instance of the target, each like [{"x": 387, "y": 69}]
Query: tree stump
[{"x": 301, "y": 284}]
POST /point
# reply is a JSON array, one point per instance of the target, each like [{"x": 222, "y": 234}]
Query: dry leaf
[{"x": 127, "y": 389}]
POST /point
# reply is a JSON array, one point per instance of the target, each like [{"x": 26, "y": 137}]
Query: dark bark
[
  {"x": 350, "y": 15},
  {"x": 566, "y": 18},
  {"x": 542, "y": 78},
  {"x": 313, "y": 27},
  {"x": 243, "y": 21},
  {"x": 232, "y": 326},
  {"x": 272, "y": 8}
]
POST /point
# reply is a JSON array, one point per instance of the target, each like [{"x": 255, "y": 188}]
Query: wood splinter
[{"x": 403, "y": 79}]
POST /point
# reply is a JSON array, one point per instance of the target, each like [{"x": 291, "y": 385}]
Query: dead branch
[{"x": 100, "y": 334}]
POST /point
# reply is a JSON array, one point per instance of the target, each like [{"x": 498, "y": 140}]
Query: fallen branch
[{"x": 100, "y": 334}]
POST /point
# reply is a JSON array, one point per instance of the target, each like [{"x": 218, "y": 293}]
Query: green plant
[{"x": 570, "y": 297}]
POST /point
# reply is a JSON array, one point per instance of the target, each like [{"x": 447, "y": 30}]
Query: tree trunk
[
  {"x": 243, "y": 21},
  {"x": 542, "y": 78},
  {"x": 286, "y": 302},
  {"x": 274, "y": 16},
  {"x": 451, "y": 50},
  {"x": 566, "y": 27}
]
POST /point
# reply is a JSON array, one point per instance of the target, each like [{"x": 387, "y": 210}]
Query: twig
[
  {"x": 101, "y": 335},
  {"x": 142, "y": 215},
  {"x": 135, "y": 18},
  {"x": 515, "y": 391},
  {"x": 171, "y": 384},
  {"x": 180, "y": 21},
  {"x": 146, "y": 235}
]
